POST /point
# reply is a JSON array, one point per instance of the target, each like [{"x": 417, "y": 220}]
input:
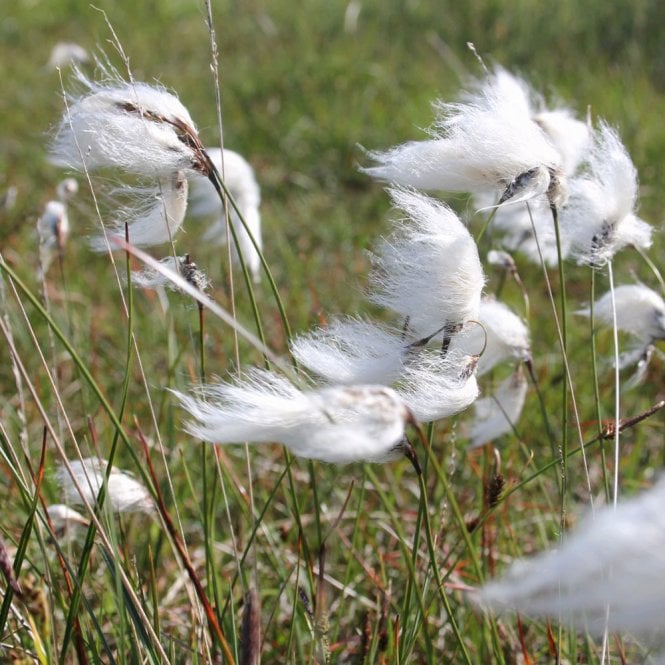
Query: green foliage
[{"x": 300, "y": 94}]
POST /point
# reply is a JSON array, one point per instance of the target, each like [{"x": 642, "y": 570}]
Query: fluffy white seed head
[
  {"x": 640, "y": 311},
  {"x": 428, "y": 272},
  {"x": 67, "y": 53},
  {"x": 63, "y": 518},
  {"x": 501, "y": 333},
  {"x": 154, "y": 214},
  {"x": 66, "y": 189},
  {"x": 239, "y": 178},
  {"x": 498, "y": 414},
  {"x": 124, "y": 493},
  {"x": 435, "y": 386},
  {"x": 351, "y": 351},
  {"x": 489, "y": 142},
  {"x": 183, "y": 265},
  {"x": 132, "y": 126},
  {"x": 599, "y": 218},
  {"x": 570, "y": 136},
  {"x": 53, "y": 231},
  {"x": 338, "y": 424},
  {"x": 614, "y": 559}
]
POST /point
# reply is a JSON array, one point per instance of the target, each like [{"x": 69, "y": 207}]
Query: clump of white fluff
[
  {"x": 239, "y": 178},
  {"x": 183, "y": 265},
  {"x": 501, "y": 336},
  {"x": 154, "y": 214},
  {"x": 489, "y": 141},
  {"x": 599, "y": 218},
  {"x": 435, "y": 386},
  {"x": 428, "y": 272},
  {"x": 124, "y": 493},
  {"x": 352, "y": 351},
  {"x": 609, "y": 569},
  {"x": 132, "y": 126},
  {"x": 337, "y": 424},
  {"x": 499, "y": 413}
]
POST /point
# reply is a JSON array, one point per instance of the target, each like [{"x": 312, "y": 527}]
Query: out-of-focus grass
[{"x": 300, "y": 92}]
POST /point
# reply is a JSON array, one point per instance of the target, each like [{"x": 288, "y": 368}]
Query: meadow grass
[{"x": 350, "y": 564}]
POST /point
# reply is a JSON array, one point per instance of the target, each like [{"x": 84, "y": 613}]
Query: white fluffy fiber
[
  {"x": 429, "y": 271},
  {"x": 352, "y": 351},
  {"x": 498, "y": 414},
  {"x": 240, "y": 180},
  {"x": 339, "y": 424},
  {"x": 640, "y": 311},
  {"x": 615, "y": 559},
  {"x": 502, "y": 333},
  {"x": 599, "y": 218},
  {"x": 124, "y": 493},
  {"x": 154, "y": 214},
  {"x": 486, "y": 142},
  {"x": 435, "y": 386},
  {"x": 98, "y": 131}
]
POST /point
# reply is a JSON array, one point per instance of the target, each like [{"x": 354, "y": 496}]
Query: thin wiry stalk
[
  {"x": 128, "y": 588},
  {"x": 596, "y": 385},
  {"x": 103, "y": 490},
  {"x": 568, "y": 375},
  {"x": 617, "y": 389},
  {"x": 396, "y": 522}
]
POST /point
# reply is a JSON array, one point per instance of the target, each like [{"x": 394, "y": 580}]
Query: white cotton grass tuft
[
  {"x": 614, "y": 559},
  {"x": 428, "y": 272},
  {"x": 183, "y": 265},
  {"x": 499, "y": 413},
  {"x": 436, "y": 386},
  {"x": 53, "y": 231},
  {"x": 139, "y": 128},
  {"x": 350, "y": 351},
  {"x": 488, "y": 142},
  {"x": 640, "y": 312},
  {"x": 124, "y": 493},
  {"x": 499, "y": 336},
  {"x": 599, "y": 218},
  {"x": 64, "y": 54},
  {"x": 239, "y": 178},
  {"x": 337, "y": 424},
  {"x": 63, "y": 518},
  {"x": 154, "y": 214}
]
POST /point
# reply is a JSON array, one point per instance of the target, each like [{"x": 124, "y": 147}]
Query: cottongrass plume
[
  {"x": 183, "y": 265},
  {"x": 132, "y": 126},
  {"x": 63, "y": 518},
  {"x": 489, "y": 141},
  {"x": 500, "y": 337},
  {"x": 613, "y": 560},
  {"x": 337, "y": 424},
  {"x": 239, "y": 178},
  {"x": 499, "y": 413},
  {"x": 352, "y": 351},
  {"x": 124, "y": 493},
  {"x": 140, "y": 129},
  {"x": 53, "y": 232},
  {"x": 436, "y": 386},
  {"x": 153, "y": 214},
  {"x": 599, "y": 218},
  {"x": 428, "y": 272},
  {"x": 640, "y": 312}
]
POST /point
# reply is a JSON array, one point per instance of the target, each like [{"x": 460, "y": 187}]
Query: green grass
[{"x": 299, "y": 94}]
